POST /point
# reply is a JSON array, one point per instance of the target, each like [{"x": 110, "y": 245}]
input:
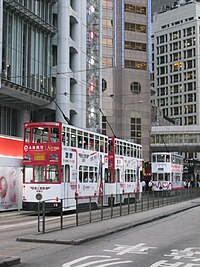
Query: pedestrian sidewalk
[{"x": 80, "y": 234}]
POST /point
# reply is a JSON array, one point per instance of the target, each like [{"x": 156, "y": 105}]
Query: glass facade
[{"x": 27, "y": 35}]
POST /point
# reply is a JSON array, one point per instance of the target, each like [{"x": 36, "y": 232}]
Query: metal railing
[{"x": 92, "y": 209}]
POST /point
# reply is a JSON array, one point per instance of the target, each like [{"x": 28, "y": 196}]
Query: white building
[{"x": 176, "y": 63}]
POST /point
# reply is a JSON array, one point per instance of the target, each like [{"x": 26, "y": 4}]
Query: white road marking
[{"x": 108, "y": 258}]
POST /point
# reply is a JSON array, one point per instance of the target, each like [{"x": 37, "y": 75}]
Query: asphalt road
[{"x": 170, "y": 242}]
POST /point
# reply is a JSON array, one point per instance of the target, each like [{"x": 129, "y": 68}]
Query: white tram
[
  {"x": 167, "y": 171},
  {"x": 64, "y": 162}
]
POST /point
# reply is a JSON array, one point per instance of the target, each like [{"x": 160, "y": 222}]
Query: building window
[
  {"x": 135, "y": 9},
  {"x": 135, "y": 46},
  {"x": 104, "y": 122},
  {"x": 107, "y": 23},
  {"x": 135, "y": 27},
  {"x": 129, "y": 64},
  {"x": 104, "y": 85},
  {"x": 107, "y": 61},
  {"x": 107, "y": 42},
  {"x": 136, "y": 130},
  {"x": 135, "y": 88}
]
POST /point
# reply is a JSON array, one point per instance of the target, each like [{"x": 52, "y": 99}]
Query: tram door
[
  {"x": 117, "y": 177},
  {"x": 65, "y": 185}
]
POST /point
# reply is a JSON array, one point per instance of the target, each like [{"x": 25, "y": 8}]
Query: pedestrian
[
  {"x": 150, "y": 184},
  {"x": 143, "y": 186}
]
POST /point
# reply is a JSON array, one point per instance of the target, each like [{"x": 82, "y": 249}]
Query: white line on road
[{"x": 108, "y": 258}]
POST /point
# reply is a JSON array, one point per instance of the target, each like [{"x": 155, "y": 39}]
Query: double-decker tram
[
  {"x": 64, "y": 162},
  {"x": 124, "y": 168},
  {"x": 167, "y": 171}
]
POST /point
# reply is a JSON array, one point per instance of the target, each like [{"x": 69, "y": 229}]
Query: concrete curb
[{"x": 9, "y": 261}]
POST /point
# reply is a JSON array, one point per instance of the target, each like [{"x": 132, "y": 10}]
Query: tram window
[
  {"x": 95, "y": 177},
  {"x": 132, "y": 175},
  {"x": 154, "y": 158},
  {"x": 85, "y": 174},
  {"x": 154, "y": 177},
  {"x": 106, "y": 146},
  {"x": 27, "y": 135},
  {"x": 132, "y": 151},
  {"x": 109, "y": 176},
  {"x": 80, "y": 140},
  {"x": 125, "y": 150},
  {"x": 28, "y": 174},
  {"x": 167, "y": 176},
  {"x": 120, "y": 149},
  {"x": 117, "y": 149},
  {"x": 91, "y": 144},
  {"x": 167, "y": 158},
  {"x": 73, "y": 140},
  {"x": 91, "y": 177},
  {"x": 160, "y": 158},
  {"x": 40, "y": 135},
  {"x": 85, "y": 177},
  {"x": 52, "y": 173},
  {"x": 85, "y": 141},
  {"x": 160, "y": 177},
  {"x": 64, "y": 138},
  {"x": 106, "y": 175},
  {"x": 39, "y": 174},
  {"x": 96, "y": 143},
  {"x": 54, "y": 135},
  {"x": 101, "y": 144},
  {"x": 80, "y": 176}
]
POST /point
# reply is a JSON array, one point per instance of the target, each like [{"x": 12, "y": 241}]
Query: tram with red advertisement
[
  {"x": 65, "y": 162},
  {"x": 167, "y": 171}
]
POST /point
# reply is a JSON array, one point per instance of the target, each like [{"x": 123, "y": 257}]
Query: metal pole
[
  {"x": 43, "y": 217},
  {"x": 128, "y": 203},
  {"x": 76, "y": 211},
  {"x": 120, "y": 208},
  {"x": 111, "y": 205},
  {"x": 38, "y": 216},
  {"x": 101, "y": 207},
  {"x": 90, "y": 209},
  {"x": 61, "y": 214}
]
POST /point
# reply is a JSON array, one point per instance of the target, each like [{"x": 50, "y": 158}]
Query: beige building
[{"x": 125, "y": 74}]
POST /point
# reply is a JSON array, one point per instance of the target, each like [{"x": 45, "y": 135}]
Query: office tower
[
  {"x": 175, "y": 78},
  {"x": 42, "y": 63},
  {"x": 26, "y": 71},
  {"x": 125, "y": 73}
]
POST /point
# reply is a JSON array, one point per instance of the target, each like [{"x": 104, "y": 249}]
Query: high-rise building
[
  {"x": 42, "y": 62},
  {"x": 78, "y": 61},
  {"x": 125, "y": 72},
  {"x": 26, "y": 72},
  {"x": 175, "y": 77}
]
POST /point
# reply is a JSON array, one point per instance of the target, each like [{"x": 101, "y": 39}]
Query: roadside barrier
[{"x": 51, "y": 214}]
